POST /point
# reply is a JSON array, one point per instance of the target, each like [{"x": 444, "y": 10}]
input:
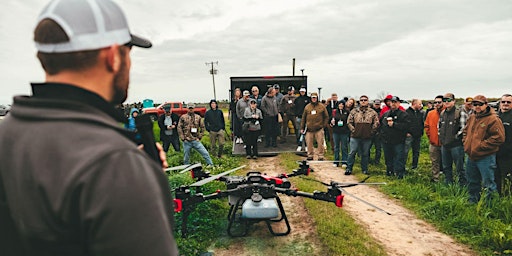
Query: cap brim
[{"x": 140, "y": 42}]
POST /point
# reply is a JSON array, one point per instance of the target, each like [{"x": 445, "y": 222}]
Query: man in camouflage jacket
[{"x": 191, "y": 129}]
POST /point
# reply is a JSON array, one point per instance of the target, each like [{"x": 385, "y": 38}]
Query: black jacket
[
  {"x": 506, "y": 147},
  {"x": 416, "y": 124},
  {"x": 78, "y": 185},
  {"x": 175, "y": 120},
  {"x": 214, "y": 120},
  {"x": 343, "y": 126},
  {"x": 449, "y": 127},
  {"x": 397, "y": 133},
  {"x": 300, "y": 104}
]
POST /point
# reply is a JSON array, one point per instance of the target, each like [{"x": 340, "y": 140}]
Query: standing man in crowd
[
  {"x": 82, "y": 187},
  {"x": 483, "y": 135},
  {"x": 467, "y": 108},
  {"x": 504, "y": 155},
  {"x": 415, "y": 132},
  {"x": 241, "y": 105},
  {"x": 300, "y": 103},
  {"x": 287, "y": 108},
  {"x": 191, "y": 130},
  {"x": 451, "y": 124},
  {"x": 214, "y": 123},
  {"x": 270, "y": 112},
  {"x": 255, "y": 94},
  {"x": 332, "y": 106},
  {"x": 431, "y": 131},
  {"x": 394, "y": 128},
  {"x": 168, "y": 124},
  {"x": 376, "y": 141},
  {"x": 314, "y": 119},
  {"x": 363, "y": 123}
]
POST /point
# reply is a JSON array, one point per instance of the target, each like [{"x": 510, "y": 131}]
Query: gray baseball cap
[{"x": 89, "y": 24}]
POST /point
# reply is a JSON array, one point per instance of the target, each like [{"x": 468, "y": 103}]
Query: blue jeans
[
  {"x": 414, "y": 143},
  {"x": 479, "y": 171},
  {"x": 363, "y": 146},
  {"x": 394, "y": 157},
  {"x": 450, "y": 156},
  {"x": 340, "y": 138},
  {"x": 198, "y": 146}
]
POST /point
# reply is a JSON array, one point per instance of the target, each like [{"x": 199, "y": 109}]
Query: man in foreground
[{"x": 72, "y": 182}]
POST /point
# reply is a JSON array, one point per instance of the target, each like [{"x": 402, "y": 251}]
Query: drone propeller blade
[
  {"x": 202, "y": 182},
  {"x": 365, "y": 202},
  {"x": 174, "y": 168},
  {"x": 190, "y": 167}
]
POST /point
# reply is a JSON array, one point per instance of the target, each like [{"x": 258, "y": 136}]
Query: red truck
[{"x": 176, "y": 107}]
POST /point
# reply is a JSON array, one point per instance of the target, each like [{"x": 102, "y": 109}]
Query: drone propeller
[
  {"x": 174, "y": 168},
  {"x": 190, "y": 167},
  {"x": 365, "y": 202},
  {"x": 202, "y": 182}
]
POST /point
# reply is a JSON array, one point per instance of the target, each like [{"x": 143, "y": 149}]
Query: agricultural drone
[{"x": 254, "y": 197}]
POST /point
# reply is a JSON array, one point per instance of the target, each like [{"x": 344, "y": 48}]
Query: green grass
[
  {"x": 337, "y": 230},
  {"x": 485, "y": 227}
]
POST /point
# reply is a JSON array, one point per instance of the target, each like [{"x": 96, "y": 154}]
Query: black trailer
[{"x": 263, "y": 83}]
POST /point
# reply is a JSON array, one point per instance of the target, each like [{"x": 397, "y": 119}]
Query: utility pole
[
  {"x": 319, "y": 90},
  {"x": 213, "y": 72}
]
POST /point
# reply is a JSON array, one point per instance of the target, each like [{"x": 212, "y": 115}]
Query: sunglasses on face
[
  {"x": 438, "y": 102},
  {"x": 505, "y": 102},
  {"x": 363, "y": 100},
  {"x": 447, "y": 99},
  {"x": 477, "y": 103}
]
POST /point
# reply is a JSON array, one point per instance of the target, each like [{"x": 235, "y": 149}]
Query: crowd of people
[{"x": 469, "y": 144}]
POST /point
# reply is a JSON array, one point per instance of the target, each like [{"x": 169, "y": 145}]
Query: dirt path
[{"x": 401, "y": 233}]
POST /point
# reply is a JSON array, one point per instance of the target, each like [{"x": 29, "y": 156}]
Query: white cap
[{"x": 89, "y": 24}]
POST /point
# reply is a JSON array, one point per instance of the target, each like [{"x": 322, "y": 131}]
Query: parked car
[
  {"x": 4, "y": 109},
  {"x": 495, "y": 105},
  {"x": 176, "y": 107}
]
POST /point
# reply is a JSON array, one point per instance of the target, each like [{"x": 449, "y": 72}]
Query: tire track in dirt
[{"x": 401, "y": 233}]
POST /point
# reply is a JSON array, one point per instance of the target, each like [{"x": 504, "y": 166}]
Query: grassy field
[{"x": 485, "y": 227}]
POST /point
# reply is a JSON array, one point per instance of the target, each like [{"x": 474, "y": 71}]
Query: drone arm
[{"x": 332, "y": 195}]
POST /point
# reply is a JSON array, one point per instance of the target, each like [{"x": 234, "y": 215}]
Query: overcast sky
[{"x": 413, "y": 49}]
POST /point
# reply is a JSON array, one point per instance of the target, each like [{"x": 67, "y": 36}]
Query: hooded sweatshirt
[{"x": 214, "y": 119}]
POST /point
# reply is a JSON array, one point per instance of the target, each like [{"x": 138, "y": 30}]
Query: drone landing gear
[{"x": 244, "y": 223}]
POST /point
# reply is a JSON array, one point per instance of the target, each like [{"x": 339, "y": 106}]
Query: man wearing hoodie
[
  {"x": 314, "y": 119},
  {"x": 270, "y": 111},
  {"x": 363, "y": 123},
  {"x": 482, "y": 137},
  {"x": 214, "y": 123}
]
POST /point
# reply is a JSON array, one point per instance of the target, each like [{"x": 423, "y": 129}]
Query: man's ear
[{"x": 113, "y": 58}]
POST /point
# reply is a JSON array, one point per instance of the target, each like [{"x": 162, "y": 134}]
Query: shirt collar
[{"x": 60, "y": 91}]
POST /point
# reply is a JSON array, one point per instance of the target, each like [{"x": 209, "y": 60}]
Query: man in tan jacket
[
  {"x": 314, "y": 119},
  {"x": 482, "y": 136}
]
